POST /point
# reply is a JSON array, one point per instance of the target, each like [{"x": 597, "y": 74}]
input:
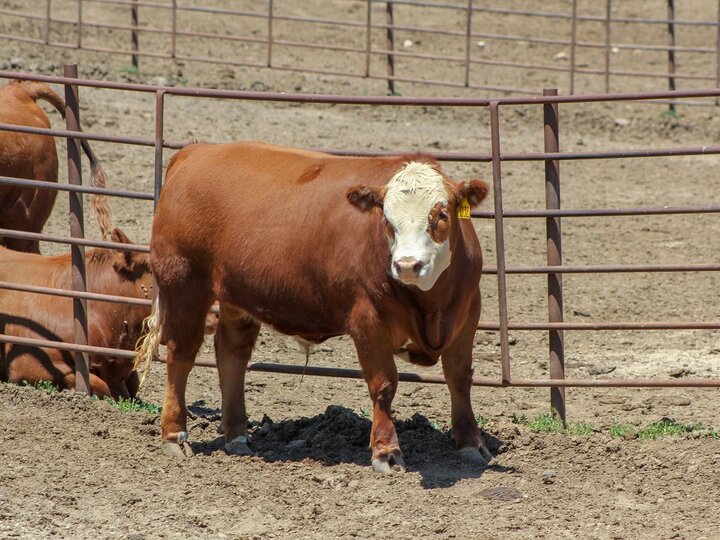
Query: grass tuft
[
  {"x": 620, "y": 430},
  {"x": 667, "y": 427},
  {"x": 45, "y": 386},
  {"x": 133, "y": 405}
]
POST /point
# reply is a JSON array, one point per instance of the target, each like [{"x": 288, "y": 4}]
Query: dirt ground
[{"x": 76, "y": 468}]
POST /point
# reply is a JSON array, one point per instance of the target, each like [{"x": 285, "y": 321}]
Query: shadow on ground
[{"x": 340, "y": 435}]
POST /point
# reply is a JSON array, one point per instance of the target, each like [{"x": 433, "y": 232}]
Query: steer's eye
[
  {"x": 443, "y": 215},
  {"x": 389, "y": 229}
]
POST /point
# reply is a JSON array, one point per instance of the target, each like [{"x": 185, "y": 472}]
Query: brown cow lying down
[
  {"x": 122, "y": 273},
  {"x": 23, "y": 155},
  {"x": 316, "y": 246}
]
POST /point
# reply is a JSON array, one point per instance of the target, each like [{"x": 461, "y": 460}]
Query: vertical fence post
[
  {"x": 270, "y": 33},
  {"x": 390, "y": 46},
  {"x": 554, "y": 254},
  {"x": 607, "y": 45},
  {"x": 79, "y": 29},
  {"x": 134, "y": 33},
  {"x": 671, "y": 48},
  {"x": 159, "y": 135},
  {"x": 77, "y": 230},
  {"x": 500, "y": 242},
  {"x": 573, "y": 46},
  {"x": 368, "y": 38},
  {"x": 468, "y": 34},
  {"x": 48, "y": 12},
  {"x": 717, "y": 54},
  {"x": 173, "y": 47}
]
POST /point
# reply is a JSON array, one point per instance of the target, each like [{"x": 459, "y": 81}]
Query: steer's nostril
[{"x": 418, "y": 266}]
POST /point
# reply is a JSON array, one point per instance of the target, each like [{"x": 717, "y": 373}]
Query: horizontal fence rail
[
  {"x": 383, "y": 40},
  {"x": 555, "y": 268}
]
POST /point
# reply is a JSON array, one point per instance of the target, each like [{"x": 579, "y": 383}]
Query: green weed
[
  {"x": 667, "y": 427},
  {"x": 45, "y": 386},
  {"x": 132, "y": 70},
  {"x": 619, "y": 430},
  {"x": 133, "y": 405},
  {"x": 551, "y": 423}
]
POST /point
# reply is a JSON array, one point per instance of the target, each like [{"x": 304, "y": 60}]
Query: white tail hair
[{"x": 147, "y": 345}]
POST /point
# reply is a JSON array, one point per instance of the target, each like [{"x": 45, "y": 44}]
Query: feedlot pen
[{"x": 508, "y": 256}]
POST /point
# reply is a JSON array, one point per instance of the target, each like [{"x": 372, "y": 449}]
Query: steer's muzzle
[{"x": 408, "y": 269}]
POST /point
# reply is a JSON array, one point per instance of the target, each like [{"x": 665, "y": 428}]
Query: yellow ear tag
[{"x": 463, "y": 210}]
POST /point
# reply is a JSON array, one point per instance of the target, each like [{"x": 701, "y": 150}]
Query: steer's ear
[
  {"x": 474, "y": 191},
  {"x": 131, "y": 265},
  {"x": 120, "y": 237},
  {"x": 365, "y": 198}
]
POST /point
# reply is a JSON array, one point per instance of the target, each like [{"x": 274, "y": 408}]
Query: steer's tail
[
  {"x": 100, "y": 206},
  {"x": 147, "y": 345}
]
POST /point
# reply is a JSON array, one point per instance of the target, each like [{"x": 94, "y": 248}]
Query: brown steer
[
  {"x": 316, "y": 246},
  {"x": 34, "y": 157},
  {"x": 22, "y": 314}
]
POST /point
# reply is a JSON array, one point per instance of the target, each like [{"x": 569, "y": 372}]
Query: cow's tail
[
  {"x": 147, "y": 345},
  {"x": 100, "y": 206}
]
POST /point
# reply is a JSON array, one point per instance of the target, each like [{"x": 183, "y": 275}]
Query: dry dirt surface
[{"x": 78, "y": 468}]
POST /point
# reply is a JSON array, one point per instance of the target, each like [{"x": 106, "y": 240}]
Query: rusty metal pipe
[
  {"x": 608, "y": 20},
  {"x": 500, "y": 242},
  {"x": 601, "y": 212},
  {"x": 671, "y": 48},
  {"x": 74, "y": 241},
  {"x": 42, "y": 184},
  {"x": 60, "y": 345},
  {"x": 367, "y": 100},
  {"x": 74, "y": 294},
  {"x": 556, "y": 340},
  {"x": 159, "y": 133},
  {"x": 654, "y": 325},
  {"x": 77, "y": 230},
  {"x": 573, "y": 46},
  {"x": 607, "y": 269},
  {"x": 289, "y": 369},
  {"x": 390, "y": 41},
  {"x": 368, "y": 37},
  {"x": 134, "y": 36}
]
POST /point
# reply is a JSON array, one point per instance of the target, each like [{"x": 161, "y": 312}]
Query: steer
[
  {"x": 23, "y": 314},
  {"x": 316, "y": 246},
  {"x": 34, "y": 157}
]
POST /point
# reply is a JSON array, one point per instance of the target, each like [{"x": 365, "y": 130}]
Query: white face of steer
[
  {"x": 418, "y": 204},
  {"x": 415, "y": 199}
]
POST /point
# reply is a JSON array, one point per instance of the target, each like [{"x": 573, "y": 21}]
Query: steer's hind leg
[
  {"x": 235, "y": 338},
  {"x": 457, "y": 367},
  {"x": 183, "y": 331}
]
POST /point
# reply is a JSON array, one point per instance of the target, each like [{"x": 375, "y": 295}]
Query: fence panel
[{"x": 553, "y": 212}]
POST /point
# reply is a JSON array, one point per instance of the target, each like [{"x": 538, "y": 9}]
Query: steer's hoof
[
  {"x": 389, "y": 463},
  {"x": 477, "y": 456},
  {"x": 239, "y": 446},
  {"x": 180, "y": 450}
]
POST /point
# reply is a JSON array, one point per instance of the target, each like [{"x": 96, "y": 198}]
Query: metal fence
[
  {"x": 373, "y": 40},
  {"x": 552, "y": 214}
]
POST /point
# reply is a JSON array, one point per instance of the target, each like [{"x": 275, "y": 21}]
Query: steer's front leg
[
  {"x": 457, "y": 367},
  {"x": 375, "y": 352}
]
